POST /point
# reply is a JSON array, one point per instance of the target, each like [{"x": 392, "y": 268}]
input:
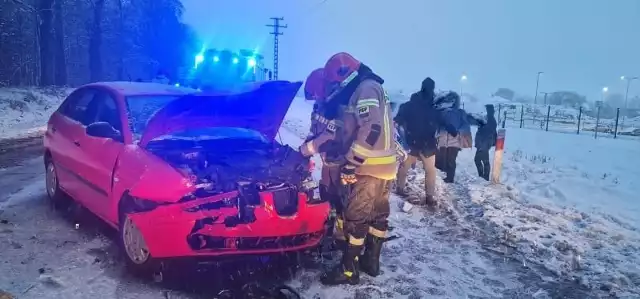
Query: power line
[{"x": 276, "y": 33}]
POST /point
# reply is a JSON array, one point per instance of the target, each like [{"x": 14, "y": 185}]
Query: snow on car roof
[{"x": 128, "y": 88}]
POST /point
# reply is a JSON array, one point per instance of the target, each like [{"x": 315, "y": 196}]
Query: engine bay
[{"x": 222, "y": 165}]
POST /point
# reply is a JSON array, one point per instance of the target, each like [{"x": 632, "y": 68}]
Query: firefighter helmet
[
  {"x": 339, "y": 70},
  {"x": 314, "y": 87}
]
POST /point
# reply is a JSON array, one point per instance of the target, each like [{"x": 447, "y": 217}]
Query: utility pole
[
  {"x": 276, "y": 32},
  {"x": 545, "y": 96},
  {"x": 535, "y": 99},
  {"x": 626, "y": 97}
]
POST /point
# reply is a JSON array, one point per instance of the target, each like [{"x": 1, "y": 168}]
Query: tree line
[{"x": 73, "y": 42}]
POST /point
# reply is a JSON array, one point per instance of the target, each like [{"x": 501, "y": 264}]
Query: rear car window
[{"x": 76, "y": 106}]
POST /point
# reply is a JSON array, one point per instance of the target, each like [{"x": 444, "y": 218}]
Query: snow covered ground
[
  {"x": 570, "y": 203},
  {"x": 561, "y": 213},
  {"x": 25, "y": 111}
]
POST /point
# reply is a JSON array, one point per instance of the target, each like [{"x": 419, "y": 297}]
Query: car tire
[
  {"x": 56, "y": 196},
  {"x": 138, "y": 259}
]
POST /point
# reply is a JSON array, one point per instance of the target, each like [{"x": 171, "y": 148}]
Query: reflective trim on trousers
[
  {"x": 377, "y": 233},
  {"x": 355, "y": 241}
]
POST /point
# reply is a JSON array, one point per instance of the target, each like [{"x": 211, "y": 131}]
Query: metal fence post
[
  {"x": 521, "y": 116},
  {"x": 597, "y": 122},
  {"x": 548, "y": 114},
  {"x": 579, "y": 117},
  {"x": 615, "y": 131}
]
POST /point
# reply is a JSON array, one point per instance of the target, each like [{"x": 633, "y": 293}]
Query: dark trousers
[
  {"x": 367, "y": 209},
  {"x": 446, "y": 161},
  {"x": 334, "y": 192},
  {"x": 482, "y": 163}
]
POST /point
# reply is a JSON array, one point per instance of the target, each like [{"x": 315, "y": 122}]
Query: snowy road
[{"x": 442, "y": 255}]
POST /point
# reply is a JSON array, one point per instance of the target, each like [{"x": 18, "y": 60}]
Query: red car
[{"x": 181, "y": 173}]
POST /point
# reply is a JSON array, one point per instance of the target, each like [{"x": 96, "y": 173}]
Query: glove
[
  {"x": 348, "y": 175},
  {"x": 451, "y": 130},
  {"x": 329, "y": 146}
]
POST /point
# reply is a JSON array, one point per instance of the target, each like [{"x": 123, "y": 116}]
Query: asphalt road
[{"x": 20, "y": 164}]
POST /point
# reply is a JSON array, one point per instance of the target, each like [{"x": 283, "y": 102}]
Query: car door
[
  {"x": 65, "y": 128},
  {"x": 100, "y": 154}
]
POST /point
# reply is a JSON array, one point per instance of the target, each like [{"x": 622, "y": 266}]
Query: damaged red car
[{"x": 185, "y": 174}]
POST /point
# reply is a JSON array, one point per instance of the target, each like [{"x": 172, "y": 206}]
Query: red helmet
[
  {"x": 314, "y": 87},
  {"x": 339, "y": 70}
]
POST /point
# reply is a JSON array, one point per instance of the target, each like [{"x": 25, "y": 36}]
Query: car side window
[
  {"x": 107, "y": 110},
  {"x": 77, "y": 104}
]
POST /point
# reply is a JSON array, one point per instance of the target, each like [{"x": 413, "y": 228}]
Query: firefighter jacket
[
  {"x": 322, "y": 137},
  {"x": 368, "y": 134}
]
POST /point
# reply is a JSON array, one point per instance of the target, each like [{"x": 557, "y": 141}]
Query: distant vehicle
[
  {"x": 183, "y": 174},
  {"x": 220, "y": 69}
]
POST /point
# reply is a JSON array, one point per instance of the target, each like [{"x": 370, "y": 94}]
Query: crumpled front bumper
[{"x": 202, "y": 227}]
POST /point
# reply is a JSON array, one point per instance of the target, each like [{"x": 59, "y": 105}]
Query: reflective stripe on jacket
[{"x": 369, "y": 136}]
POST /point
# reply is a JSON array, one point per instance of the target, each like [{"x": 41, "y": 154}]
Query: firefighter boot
[
  {"x": 370, "y": 262},
  {"x": 347, "y": 272}
]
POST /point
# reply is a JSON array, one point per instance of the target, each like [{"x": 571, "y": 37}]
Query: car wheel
[
  {"x": 55, "y": 194},
  {"x": 136, "y": 252}
]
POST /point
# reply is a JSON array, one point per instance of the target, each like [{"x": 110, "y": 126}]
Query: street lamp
[
  {"x": 535, "y": 99},
  {"x": 626, "y": 97},
  {"x": 462, "y": 80},
  {"x": 545, "y": 96}
]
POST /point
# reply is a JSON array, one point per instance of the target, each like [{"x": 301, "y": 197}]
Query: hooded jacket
[
  {"x": 418, "y": 119},
  {"x": 486, "y": 134},
  {"x": 454, "y": 127}
]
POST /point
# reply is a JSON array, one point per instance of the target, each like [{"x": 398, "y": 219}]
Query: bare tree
[
  {"x": 45, "y": 36},
  {"x": 61, "y": 42},
  {"x": 60, "y": 61}
]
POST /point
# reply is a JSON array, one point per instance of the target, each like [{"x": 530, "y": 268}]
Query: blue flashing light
[
  {"x": 235, "y": 60},
  {"x": 251, "y": 62},
  {"x": 199, "y": 58},
  {"x": 216, "y": 58},
  {"x": 177, "y": 84}
]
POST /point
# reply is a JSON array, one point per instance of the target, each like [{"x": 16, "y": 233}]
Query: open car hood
[{"x": 259, "y": 106}]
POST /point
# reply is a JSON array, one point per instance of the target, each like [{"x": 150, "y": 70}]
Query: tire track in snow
[{"x": 435, "y": 256}]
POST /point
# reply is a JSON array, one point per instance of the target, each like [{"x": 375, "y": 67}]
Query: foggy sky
[{"x": 581, "y": 45}]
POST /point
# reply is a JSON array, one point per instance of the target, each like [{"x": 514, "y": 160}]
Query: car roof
[{"x": 128, "y": 88}]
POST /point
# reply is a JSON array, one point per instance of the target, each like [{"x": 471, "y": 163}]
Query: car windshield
[{"x": 141, "y": 108}]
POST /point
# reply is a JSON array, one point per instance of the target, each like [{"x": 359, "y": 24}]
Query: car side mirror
[{"x": 103, "y": 130}]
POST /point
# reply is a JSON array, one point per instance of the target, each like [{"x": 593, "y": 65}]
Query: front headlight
[{"x": 137, "y": 205}]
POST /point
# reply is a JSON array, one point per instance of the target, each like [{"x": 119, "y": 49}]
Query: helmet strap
[{"x": 343, "y": 84}]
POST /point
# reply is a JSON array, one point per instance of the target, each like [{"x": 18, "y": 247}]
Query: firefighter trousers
[
  {"x": 366, "y": 209},
  {"x": 331, "y": 190}
]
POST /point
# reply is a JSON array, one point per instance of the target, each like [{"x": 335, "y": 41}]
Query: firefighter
[
  {"x": 321, "y": 141},
  {"x": 370, "y": 163}
]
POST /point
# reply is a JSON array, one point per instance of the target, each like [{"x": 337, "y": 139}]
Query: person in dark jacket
[
  {"x": 454, "y": 132},
  {"x": 417, "y": 119},
  {"x": 485, "y": 139}
]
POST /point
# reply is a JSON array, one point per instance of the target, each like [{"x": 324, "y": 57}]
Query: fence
[{"x": 569, "y": 120}]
